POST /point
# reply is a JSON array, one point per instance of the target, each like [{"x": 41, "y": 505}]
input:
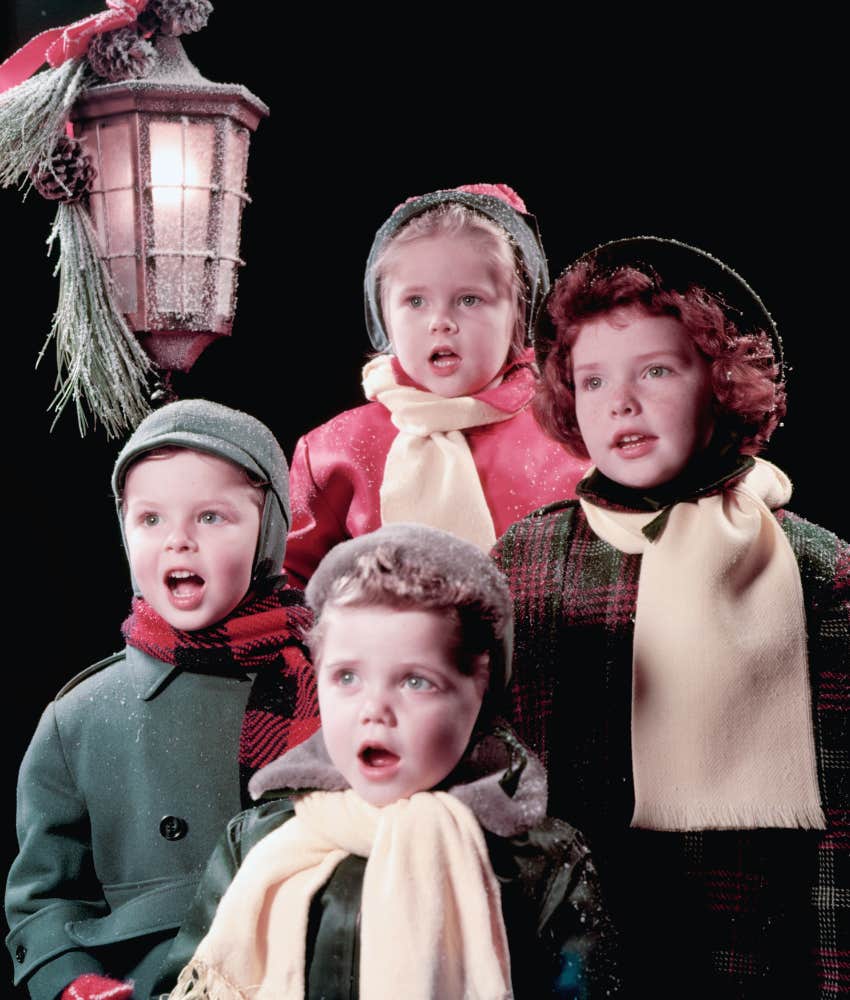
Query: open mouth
[
  {"x": 378, "y": 757},
  {"x": 634, "y": 445},
  {"x": 628, "y": 441},
  {"x": 183, "y": 584},
  {"x": 444, "y": 357}
]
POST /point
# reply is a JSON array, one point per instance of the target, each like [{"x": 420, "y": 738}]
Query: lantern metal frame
[{"x": 174, "y": 317}]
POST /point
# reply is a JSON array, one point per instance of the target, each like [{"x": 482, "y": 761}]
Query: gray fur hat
[
  {"x": 435, "y": 570},
  {"x": 201, "y": 425},
  {"x": 519, "y": 225}
]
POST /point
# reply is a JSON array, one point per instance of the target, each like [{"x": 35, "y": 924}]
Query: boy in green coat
[{"x": 114, "y": 824}]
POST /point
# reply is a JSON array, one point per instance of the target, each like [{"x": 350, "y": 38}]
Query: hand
[{"x": 90, "y": 986}]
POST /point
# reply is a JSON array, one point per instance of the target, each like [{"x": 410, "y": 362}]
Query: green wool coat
[{"x": 115, "y": 789}]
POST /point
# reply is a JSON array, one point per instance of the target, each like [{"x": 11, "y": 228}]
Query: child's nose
[
  {"x": 624, "y": 401},
  {"x": 442, "y": 321},
  {"x": 376, "y": 709},
  {"x": 180, "y": 539}
]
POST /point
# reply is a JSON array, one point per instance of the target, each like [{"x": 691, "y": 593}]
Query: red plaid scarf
[{"x": 265, "y": 633}]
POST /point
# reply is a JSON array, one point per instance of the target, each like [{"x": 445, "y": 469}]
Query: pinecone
[
  {"x": 70, "y": 174},
  {"x": 176, "y": 17},
  {"x": 121, "y": 55}
]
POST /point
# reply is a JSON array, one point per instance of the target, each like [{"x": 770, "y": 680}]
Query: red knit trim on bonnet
[{"x": 502, "y": 191}]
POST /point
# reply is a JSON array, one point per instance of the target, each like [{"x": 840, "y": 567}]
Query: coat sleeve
[
  {"x": 574, "y": 927},
  {"x": 824, "y": 561},
  {"x": 52, "y": 881},
  {"x": 319, "y": 503}
]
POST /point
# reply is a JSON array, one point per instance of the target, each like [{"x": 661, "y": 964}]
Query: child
[
  {"x": 681, "y": 639},
  {"x": 132, "y": 772},
  {"x": 452, "y": 283},
  {"x": 373, "y": 886}
]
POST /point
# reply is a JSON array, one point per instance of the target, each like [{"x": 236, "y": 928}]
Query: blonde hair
[{"x": 455, "y": 220}]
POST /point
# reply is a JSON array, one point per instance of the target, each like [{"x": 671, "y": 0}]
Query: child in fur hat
[
  {"x": 453, "y": 281},
  {"x": 404, "y": 850},
  {"x": 132, "y": 772},
  {"x": 682, "y": 639}
]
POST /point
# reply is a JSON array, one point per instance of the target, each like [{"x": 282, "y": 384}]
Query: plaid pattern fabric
[
  {"x": 264, "y": 634},
  {"x": 763, "y": 913}
]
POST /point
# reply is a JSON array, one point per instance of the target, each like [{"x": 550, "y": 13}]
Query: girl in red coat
[{"x": 447, "y": 437}]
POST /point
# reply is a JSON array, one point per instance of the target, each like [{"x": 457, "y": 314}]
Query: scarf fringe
[
  {"x": 718, "y": 816},
  {"x": 200, "y": 981}
]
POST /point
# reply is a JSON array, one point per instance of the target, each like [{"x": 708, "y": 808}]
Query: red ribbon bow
[{"x": 57, "y": 45}]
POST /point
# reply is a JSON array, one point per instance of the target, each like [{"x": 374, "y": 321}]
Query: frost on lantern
[{"x": 171, "y": 154}]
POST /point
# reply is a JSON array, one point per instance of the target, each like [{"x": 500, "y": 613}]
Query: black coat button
[
  {"x": 173, "y": 827},
  {"x": 20, "y": 954}
]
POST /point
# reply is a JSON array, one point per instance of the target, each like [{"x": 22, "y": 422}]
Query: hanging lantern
[{"x": 171, "y": 153}]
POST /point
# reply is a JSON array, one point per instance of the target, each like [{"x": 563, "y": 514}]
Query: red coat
[{"x": 338, "y": 468}]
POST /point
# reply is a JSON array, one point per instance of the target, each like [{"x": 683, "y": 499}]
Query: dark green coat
[
  {"x": 560, "y": 938},
  {"x": 116, "y": 789}
]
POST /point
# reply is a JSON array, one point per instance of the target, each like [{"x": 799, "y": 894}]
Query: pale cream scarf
[
  {"x": 431, "y": 923},
  {"x": 430, "y": 476},
  {"x": 721, "y": 707}
]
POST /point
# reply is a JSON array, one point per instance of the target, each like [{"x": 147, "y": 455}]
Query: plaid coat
[{"x": 760, "y": 913}]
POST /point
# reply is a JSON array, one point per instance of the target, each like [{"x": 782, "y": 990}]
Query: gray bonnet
[
  {"x": 522, "y": 229},
  {"x": 201, "y": 425},
  {"x": 435, "y": 556}
]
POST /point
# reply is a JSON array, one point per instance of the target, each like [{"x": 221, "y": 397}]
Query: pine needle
[
  {"x": 100, "y": 364},
  {"x": 32, "y": 117}
]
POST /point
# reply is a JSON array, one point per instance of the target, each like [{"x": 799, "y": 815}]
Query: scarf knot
[{"x": 430, "y": 475}]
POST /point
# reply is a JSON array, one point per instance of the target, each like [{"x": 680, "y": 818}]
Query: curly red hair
[{"x": 749, "y": 395}]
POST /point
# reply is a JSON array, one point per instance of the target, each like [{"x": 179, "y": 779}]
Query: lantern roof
[{"x": 175, "y": 86}]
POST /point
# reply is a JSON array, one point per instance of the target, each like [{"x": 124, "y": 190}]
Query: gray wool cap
[
  {"x": 202, "y": 425},
  {"x": 438, "y": 562},
  {"x": 522, "y": 229}
]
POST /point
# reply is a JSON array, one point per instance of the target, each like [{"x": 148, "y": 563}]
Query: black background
[{"x": 714, "y": 130}]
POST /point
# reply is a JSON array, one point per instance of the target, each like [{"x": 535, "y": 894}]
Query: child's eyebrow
[{"x": 664, "y": 352}]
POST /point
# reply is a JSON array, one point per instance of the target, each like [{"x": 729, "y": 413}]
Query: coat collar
[{"x": 498, "y": 778}]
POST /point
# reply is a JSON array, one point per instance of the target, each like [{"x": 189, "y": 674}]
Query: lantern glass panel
[
  {"x": 97, "y": 212},
  {"x": 197, "y": 218},
  {"x": 169, "y": 284},
  {"x": 120, "y": 219},
  {"x": 226, "y": 289},
  {"x": 115, "y": 141},
  {"x": 200, "y": 140},
  {"x": 193, "y": 274},
  {"x": 124, "y": 275},
  {"x": 167, "y": 178}
]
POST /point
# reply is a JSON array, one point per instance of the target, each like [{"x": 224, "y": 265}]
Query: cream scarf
[
  {"x": 721, "y": 707},
  {"x": 431, "y": 922},
  {"x": 430, "y": 476}
]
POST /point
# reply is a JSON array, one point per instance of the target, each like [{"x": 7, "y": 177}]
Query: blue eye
[
  {"x": 150, "y": 520},
  {"x": 210, "y": 517},
  {"x": 416, "y": 301},
  {"x": 657, "y": 371},
  {"x": 469, "y": 300},
  {"x": 345, "y": 678},
  {"x": 417, "y": 683},
  {"x": 592, "y": 382}
]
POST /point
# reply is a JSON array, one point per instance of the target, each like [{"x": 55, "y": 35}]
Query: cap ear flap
[{"x": 271, "y": 540}]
